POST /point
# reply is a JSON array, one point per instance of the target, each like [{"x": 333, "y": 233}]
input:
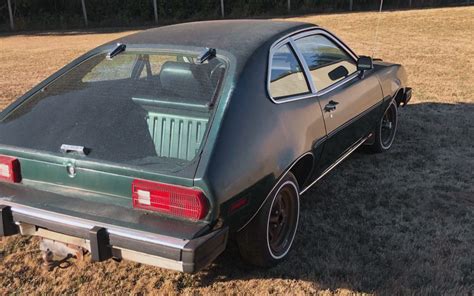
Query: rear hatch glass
[{"x": 145, "y": 109}]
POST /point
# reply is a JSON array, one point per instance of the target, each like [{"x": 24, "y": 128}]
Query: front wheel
[
  {"x": 386, "y": 129},
  {"x": 267, "y": 239}
]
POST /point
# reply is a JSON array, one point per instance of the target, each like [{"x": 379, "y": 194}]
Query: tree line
[{"x": 64, "y": 14}]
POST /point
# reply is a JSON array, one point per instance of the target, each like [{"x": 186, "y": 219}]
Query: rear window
[{"x": 139, "y": 108}]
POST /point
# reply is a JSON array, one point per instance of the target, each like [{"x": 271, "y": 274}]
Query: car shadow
[{"x": 391, "y": 223}]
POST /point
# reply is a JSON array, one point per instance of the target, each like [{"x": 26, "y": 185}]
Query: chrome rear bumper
[{"x": 105, "y": 241}]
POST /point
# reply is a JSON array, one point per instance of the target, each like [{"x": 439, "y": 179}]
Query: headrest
[{"x": 185, "y": 80}]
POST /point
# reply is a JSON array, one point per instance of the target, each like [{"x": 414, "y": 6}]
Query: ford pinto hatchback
[{"x": 159, "y": 146}]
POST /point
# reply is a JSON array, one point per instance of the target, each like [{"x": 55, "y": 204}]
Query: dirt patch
[{"x": 397, "y": 223}]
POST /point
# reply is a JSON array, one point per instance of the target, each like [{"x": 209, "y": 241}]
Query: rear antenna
[{"x": 377, "y": 29}]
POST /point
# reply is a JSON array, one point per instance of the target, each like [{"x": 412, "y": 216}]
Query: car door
[{"x": 348, "y": 99}]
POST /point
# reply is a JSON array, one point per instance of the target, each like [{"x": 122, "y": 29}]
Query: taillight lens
[
  {"x": 9, "y": 169},
  {"x": 169, "y": 199}
]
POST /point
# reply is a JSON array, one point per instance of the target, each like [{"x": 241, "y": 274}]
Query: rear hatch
[{"x": 82, "y": 139}]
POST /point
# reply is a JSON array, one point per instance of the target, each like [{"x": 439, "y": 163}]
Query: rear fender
[{"x": 293, "y": 165}]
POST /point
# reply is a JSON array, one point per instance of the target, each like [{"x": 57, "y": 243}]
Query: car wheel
[
  {"x": 267, "y": 239},
  {"x": 386, "y": 129}
]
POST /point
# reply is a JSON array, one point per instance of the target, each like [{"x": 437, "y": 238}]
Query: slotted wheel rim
[
  {"x": 282, "y": 221},
  {"x": 388, "y": 126}
]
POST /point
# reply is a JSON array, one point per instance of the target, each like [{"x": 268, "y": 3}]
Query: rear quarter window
[{"x": 286, "y": 77}]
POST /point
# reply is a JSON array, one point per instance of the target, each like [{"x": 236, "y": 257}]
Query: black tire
[
  {"x": 386, "y": 129},
  {"x": 267, "y": 239}
]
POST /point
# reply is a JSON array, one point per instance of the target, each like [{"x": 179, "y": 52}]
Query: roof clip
[
  {"x": 117, "y": 50},
  {"x": 207, "y": 54}
]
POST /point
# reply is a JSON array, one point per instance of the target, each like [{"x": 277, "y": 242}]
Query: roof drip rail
[
  {"x": 207, "y": 54},
  {"x": 117, "y": 50}
]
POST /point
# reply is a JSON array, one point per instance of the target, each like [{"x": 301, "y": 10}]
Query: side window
[
  {"x": 327, "y": 62},
  {"x": 287, "y": 77}
]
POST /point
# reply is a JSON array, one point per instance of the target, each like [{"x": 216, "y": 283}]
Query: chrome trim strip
[
  {"x": 331, "y": 36},
  {"x": 338, "y": 84},
  {"x": 290, "y": 39},
  {"x": 310, "y": 85},
  {"x": 349, "y": 152},
  {"x": 293, "y": 98},
  {"x": 301, "y": 60},
  {"x": 274, "y": 187},
  {"x": 88, "y": 224}
]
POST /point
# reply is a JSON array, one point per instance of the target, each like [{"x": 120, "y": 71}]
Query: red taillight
[
  {"x": 9, "y": 169},
  {"x": 169, "y": 199}
]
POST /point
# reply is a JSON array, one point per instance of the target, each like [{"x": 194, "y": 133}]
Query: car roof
[{"x": 239, "y": 37}]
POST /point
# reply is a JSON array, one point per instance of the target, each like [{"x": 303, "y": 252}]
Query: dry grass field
[{"x": 397, "y": 223}]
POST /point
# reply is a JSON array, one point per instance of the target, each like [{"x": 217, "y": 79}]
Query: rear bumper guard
[{"x": 107, "y": 241}]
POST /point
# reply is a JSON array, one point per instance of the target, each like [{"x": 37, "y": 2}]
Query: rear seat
[{"x": 186, "y": 80}]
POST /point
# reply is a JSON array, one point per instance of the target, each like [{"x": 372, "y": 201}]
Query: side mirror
[{"x": 364, "y": 63}]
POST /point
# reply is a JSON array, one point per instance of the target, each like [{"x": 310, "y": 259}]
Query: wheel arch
[{"x": 301, "y": 166}]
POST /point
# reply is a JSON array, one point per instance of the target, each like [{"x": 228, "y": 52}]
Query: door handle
[{"x": 331, "y": 106}]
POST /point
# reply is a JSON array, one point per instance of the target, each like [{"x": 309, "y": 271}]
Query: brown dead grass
[{"x": 397, "y": 223}]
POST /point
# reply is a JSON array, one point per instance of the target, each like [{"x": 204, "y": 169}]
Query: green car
[{"x": 161, "y": 145}]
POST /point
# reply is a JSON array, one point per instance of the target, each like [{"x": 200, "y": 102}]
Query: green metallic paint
[
  {"x": 115, "y": 179},
  {"x": 249, "y": 144}
]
